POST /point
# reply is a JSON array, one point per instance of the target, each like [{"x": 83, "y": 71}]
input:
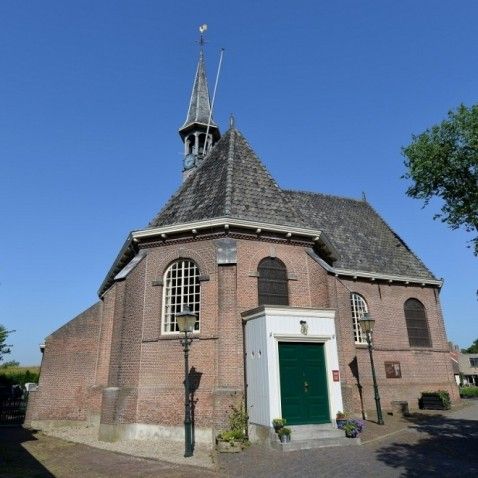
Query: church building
[{"x": 278, "y": 280}]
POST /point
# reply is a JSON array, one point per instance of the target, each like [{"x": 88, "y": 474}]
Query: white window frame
[
  {"x": 181, "y": 287},
  {"x": 359, "y": 307}
]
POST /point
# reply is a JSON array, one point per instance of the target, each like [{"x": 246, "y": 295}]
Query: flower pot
[
  {"x": 228, "y": 447},
  {"x": 351, "y": 433},
  {"x": 341, "y": 423},
  {"x": 284, "y": 438}
]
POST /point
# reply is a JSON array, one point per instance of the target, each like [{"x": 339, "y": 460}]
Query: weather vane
[{"x": 202, "y": 29}]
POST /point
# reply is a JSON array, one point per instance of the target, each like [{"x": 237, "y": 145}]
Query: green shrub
[
  {"x": 18, "y": 375},
  {"x": 237, "y": 426},
  {"x": 443, "y": 395},
  {"x": 468, "y": 392}
]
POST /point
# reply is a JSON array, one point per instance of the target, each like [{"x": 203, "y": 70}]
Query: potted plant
[
  {"x": 353, "y": 427},
  {"x": 234, "y": 439},
  {"x": 278, "y": 423},
  {"x": 230, "y": 441},
  {"x": 284, "y": 435},
  {"x": 341, "y": 419}
]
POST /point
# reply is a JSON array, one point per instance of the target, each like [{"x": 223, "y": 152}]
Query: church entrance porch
[{"x": 291, "y": 368}]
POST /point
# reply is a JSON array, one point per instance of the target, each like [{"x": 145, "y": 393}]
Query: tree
[
  {"x": 443, "y": 162},
  {"x": 10, "y": 363},
  {"x": 472, "y": 349},
  {"x": 4, "y": 348}
]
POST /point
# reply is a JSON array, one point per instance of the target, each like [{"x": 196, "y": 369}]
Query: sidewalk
[{"x": 395, "y": 423}]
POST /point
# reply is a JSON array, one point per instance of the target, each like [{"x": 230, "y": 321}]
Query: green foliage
[
  {"x": 443, "y": 162},
  {"x": 4, "y": 348},
  {"x": 468, "y": 392},
  {"x": 18, "y": 376},
  {"x": 237, "y": 426},
  {"x": 284, "y": 431},
  {"x": 10, "y": 363},
  {"x": 279, "y": 422},
  {"x": 443, "y": 395},
  {"x": 472, "y": 349}
]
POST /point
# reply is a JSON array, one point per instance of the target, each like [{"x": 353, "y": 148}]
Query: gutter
[
  {"x": 356, "y": 274},
  {"x": 126, "y": 253}
]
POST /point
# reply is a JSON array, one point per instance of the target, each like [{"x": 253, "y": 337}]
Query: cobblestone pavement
[
  {"x": 24, "y": 454},
  {"x": 430, "y": 445}
]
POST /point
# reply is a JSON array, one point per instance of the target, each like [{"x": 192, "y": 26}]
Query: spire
[
  {"x": 199, "y": 104},
  {"x": 199, "y": 122}
]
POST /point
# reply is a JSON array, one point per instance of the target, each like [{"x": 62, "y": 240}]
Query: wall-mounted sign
[
  {"x": 336, "y": 375},
  {"x": 393, "y": 370}
]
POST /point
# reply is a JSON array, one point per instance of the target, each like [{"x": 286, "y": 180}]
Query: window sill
[
  {"x": 179, "y": 336},
  {"x": 361, "y": 346}
]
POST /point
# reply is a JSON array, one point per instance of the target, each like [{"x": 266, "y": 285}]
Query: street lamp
[
  {"x": 366, "y": 324},
  {"x": 186, "y": 321}
]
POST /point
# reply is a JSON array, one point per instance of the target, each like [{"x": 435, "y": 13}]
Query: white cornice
[
  {"x": 227, "y": 221},
  {"x": 356, "y": 274},
  {"x": 287, "y": 312}
]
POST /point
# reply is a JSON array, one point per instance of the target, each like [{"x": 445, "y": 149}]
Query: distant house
[
  {"x": 455, "y": 364},
  {"x": 469, "y": 368}
]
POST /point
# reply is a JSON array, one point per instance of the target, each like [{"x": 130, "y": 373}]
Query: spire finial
[
  {"x": 202, "y": 29},
  {"x": 232, "y": 121}
]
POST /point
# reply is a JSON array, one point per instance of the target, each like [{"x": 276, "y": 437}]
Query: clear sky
[{"x": 92, "y": 94}]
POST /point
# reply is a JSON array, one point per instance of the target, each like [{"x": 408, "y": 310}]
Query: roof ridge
[
  {"x": 400, "y": 239},
  {"x": 311, "y": 193},
  {"x": 259, "y": 160},
  {"x": 187, "y": 181},
  {"x": 229, "y": 172}
]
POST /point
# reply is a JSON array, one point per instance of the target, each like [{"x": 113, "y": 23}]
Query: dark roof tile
[{"x": 232, "y": 182}]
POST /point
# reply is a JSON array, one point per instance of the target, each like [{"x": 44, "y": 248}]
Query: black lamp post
[
  {"x": 366, "y": 324},
  {"x": 186, "y": 321}
]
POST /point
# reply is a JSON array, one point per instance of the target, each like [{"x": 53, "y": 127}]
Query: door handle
[{"x": 306, "y": 387}]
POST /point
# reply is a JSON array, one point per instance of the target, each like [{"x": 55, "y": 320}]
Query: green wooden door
[{"x": 303, "y": 383}]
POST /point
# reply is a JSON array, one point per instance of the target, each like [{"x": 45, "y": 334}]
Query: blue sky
[{"x": 92, "y": 95}]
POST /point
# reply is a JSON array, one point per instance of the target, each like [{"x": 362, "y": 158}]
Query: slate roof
[
  {"x": 199, "y": 104},
  {"x": 232, "y": 182},
  {"x": 362, "y": 238}
]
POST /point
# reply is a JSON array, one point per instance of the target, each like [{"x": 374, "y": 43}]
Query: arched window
[
  {"x": 181, "y": 288},
  {"x": 417, "y": 324},
  {"x": 359, "y": 307},
  {"x": 272, "y": 283}
]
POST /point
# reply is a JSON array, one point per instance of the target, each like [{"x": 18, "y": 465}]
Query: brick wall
[
  {"x": 68, "y": 369},
  {"x": 135, "y": 372},
  {"x": 422, "y": 368}
]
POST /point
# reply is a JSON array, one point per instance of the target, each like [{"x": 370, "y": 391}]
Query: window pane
[
  {"x": 417, "y": 325},
  {"x": 181, "y": 288},
  {"x": 272, "y": 283},
  {"x": 359, "y": 308}
]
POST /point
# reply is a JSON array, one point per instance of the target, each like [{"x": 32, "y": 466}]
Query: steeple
[{"x": 198, "y": 120}]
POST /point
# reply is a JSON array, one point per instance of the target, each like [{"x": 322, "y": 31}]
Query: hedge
[{"x": 468, "y": 392}]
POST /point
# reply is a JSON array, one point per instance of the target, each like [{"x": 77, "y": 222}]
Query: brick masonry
[{"x": 113, "y": 361}]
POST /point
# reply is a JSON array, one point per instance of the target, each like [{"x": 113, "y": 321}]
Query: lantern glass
[
  {"x": 186, "y": 320},
  {"x": 367, "y": 323}
]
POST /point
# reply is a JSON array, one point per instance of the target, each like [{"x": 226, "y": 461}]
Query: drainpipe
[{"x": 245, "y": 374}]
